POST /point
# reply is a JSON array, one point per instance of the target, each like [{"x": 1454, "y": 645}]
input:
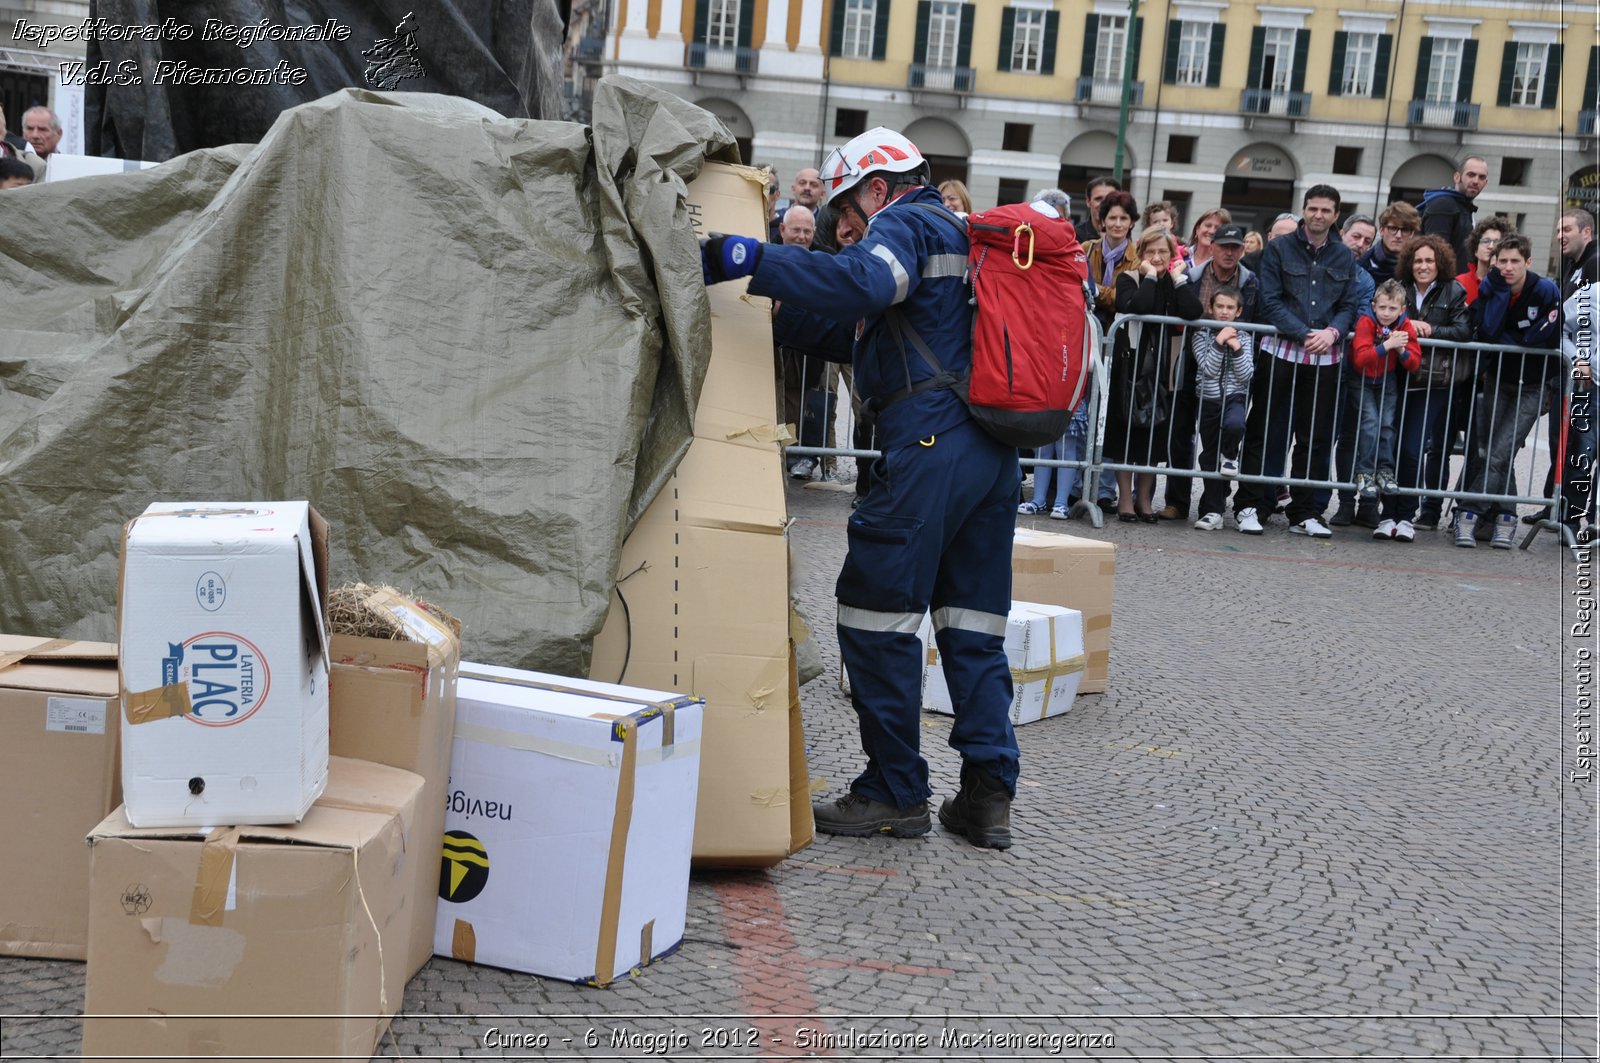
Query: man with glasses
[
  {"x": 1447, "y": 212},
  {"x": 1398, "y": 223}
]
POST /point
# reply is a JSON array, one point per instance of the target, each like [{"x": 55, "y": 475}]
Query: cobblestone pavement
[{"x": 1324, "y": 811}]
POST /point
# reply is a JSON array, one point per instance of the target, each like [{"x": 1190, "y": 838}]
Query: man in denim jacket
[{"x": 1309, "y": 294}]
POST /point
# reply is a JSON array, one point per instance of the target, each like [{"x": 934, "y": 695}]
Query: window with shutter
[
  {"x": 1444, "y": 70},
  {"x": 1527, "y": 75},
  {"x": 1194, "y": 53},
  {"x": 859, "y": 28},
  {"x": 1027, "y": 41},
  {"x": 1360, "y": 66},
  {"x": 944, "y": 33},
  {"x": 722, "y": 28},
  {"x": 1111, "y": 42}
]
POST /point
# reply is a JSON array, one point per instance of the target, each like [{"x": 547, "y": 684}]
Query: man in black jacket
[
  {"x": 1580, "y": 251},
  {"x": 1447, "y": 212}
]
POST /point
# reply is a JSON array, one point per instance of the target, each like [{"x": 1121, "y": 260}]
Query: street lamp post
[{"x": 1127, "y": 88}]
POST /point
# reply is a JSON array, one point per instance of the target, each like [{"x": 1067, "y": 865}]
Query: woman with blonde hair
[
  {"x": 1205, "y": 227},
  {"x": 956, "y": 196},
  {"x": 1139, "y": 415}
]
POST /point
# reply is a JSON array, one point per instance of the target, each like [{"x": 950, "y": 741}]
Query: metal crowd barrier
[
  {"x": 1455, "y": 410},
  {"x": 1478, "y": 402}
]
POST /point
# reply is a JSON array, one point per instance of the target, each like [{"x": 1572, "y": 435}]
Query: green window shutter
[
  {"x": 1258, "y": 46},
  {"x": 880, "y": 30},
  {"x": 1508, "y": 73},
  {"x": 747, "y": 17},
  {"x": 836, "y": 35},
  {"x": 1591, "y": 84},
  {"x": 1219, "y": 33},
  {"x": 1341, "y": 42},
  {"x": 702, "y": 12},
  {"x": 924, "y": 7},
  {"x": 1419, "y": 89},
  {"x": 1138, "y": 39},
  {"x": 964, "y": 45},
  {"x": 1302, "y": 52},
  {"x": 1091, "y": 34},
  {"x": 1469, "y": 65},
  {"x": 1008, "y": 29},
  {"x": 1552, "y": 77},
  {"x": 1169, "y": 69},
  {"x": 1052, "y": 29},
  {"x": 1380, "y": 66}
]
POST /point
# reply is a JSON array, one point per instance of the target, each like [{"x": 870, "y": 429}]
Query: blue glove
[{"x": 727, "y": 258}]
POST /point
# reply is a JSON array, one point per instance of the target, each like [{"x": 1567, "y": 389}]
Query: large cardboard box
[
  {"x": 570, "y": 825},
  {"x": 58, "y": 778},
  {"x": 705, "y": 577},
  {"x": 1044, "y": 644},
  {"x": 393, "y": 701},
  {"x": 224, "y": 656},
  {"x": 288, "y": 941},
  {"x": 1075, "y": 572}
]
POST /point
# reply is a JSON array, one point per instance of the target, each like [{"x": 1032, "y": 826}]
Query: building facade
[{"x": 1242, "y": 103}]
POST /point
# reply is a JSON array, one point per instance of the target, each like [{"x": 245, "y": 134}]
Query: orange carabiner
[{"x": 1016, "y": 242}]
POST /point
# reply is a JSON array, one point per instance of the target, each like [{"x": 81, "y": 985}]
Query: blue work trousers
[{"x": 934, "y": 532}]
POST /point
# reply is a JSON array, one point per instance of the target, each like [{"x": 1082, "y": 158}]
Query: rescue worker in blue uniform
[{"x": 935, "y": 529}]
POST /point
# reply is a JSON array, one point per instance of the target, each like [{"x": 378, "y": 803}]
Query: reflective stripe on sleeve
[
  {"x": 868, "y": 620},
  {"x": 945, "y": 266},
  {"x": 969, "y": 620},
  {"x": 902, "y": 281}
]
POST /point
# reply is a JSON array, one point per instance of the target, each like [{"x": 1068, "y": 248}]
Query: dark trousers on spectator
[
  {"x": 1306, "y": 395},
  {"x": 1180, "y": 445},
  {"x": 1221, "y": 431},
  {"x": 1424, "y": 412}
]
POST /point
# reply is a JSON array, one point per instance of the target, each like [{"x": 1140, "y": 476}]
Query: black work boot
[
  {"x": 980, "y": 811},
  {"x": 859, "y": 816}
]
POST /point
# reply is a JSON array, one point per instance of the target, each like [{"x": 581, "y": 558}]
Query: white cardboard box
[
  {"x": 1044, "y": 644},
  {"x": 223, "y": 633},
  {"x": 570, "y": 824}
]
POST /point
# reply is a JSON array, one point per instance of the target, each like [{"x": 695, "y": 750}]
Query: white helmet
[{"x": 876, "y": 149}]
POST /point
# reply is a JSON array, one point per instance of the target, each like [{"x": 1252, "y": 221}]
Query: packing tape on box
[
  {"x": 211, "y": 882},
  {"x": 491, "y": 736},
  {"x": 143, "y": 706},
  {"x": 658, "y": 706},
  {"x": 18, "y": 656},
  {"x": 611, "y": 899},
  {"x": 463, "y": 942}
]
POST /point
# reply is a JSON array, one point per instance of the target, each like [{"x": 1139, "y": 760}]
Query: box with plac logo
[{"x": 222, "y": 621}]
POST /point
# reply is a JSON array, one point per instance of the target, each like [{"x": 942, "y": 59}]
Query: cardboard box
[
  {"x": 1044, "y": 644},
  {"x": 393, "y": 702},
  {"x": 58, "y": 778},
  {"x": 1078, "y": 573},
  {"x": 705, "y": 575},
  {"x": 204, "y": 943},
  {"x": 224, "y": 657},
  {"x": 570, "y": 825}
]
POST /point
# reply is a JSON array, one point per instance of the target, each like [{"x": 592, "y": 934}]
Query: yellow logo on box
[{"x": 464, "y": 870}]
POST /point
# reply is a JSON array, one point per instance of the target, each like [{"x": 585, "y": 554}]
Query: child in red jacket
[{"x": 1384, "y": 345}]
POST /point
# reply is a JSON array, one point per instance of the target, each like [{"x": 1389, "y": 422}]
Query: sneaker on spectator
[
  {"x": 1505, "y": 532},
  {"x": 1028, "y": 509},
  {"x": 1058, "y": 512},
  {"x": 1344, "y": 515},
  {"x": 1384, "y": 530},
  {"x": 1366, "y": 486},
  {"x": 802, "y": 469},
  {"x": 1404, "y": 532},
  {"x": 1427, "y": 520},
  {"x": 1367, "y": 514},
  {"x": 1229, "y": 468},
  {"x": 1313, "y": 527},
  {"x": 1466, "y": 529},
  {"x": 1535, "y": 518},
  {"x": 1387, "y": 484},
  {"x": 1247, "y": 521},
  {"x": 1209, "y": 522}
]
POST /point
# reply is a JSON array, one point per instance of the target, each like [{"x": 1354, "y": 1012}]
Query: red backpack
[{"x": 1025, "y": 270}]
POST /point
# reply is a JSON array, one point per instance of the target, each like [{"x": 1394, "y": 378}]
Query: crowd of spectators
[{"x": 1324, "y": 352}]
